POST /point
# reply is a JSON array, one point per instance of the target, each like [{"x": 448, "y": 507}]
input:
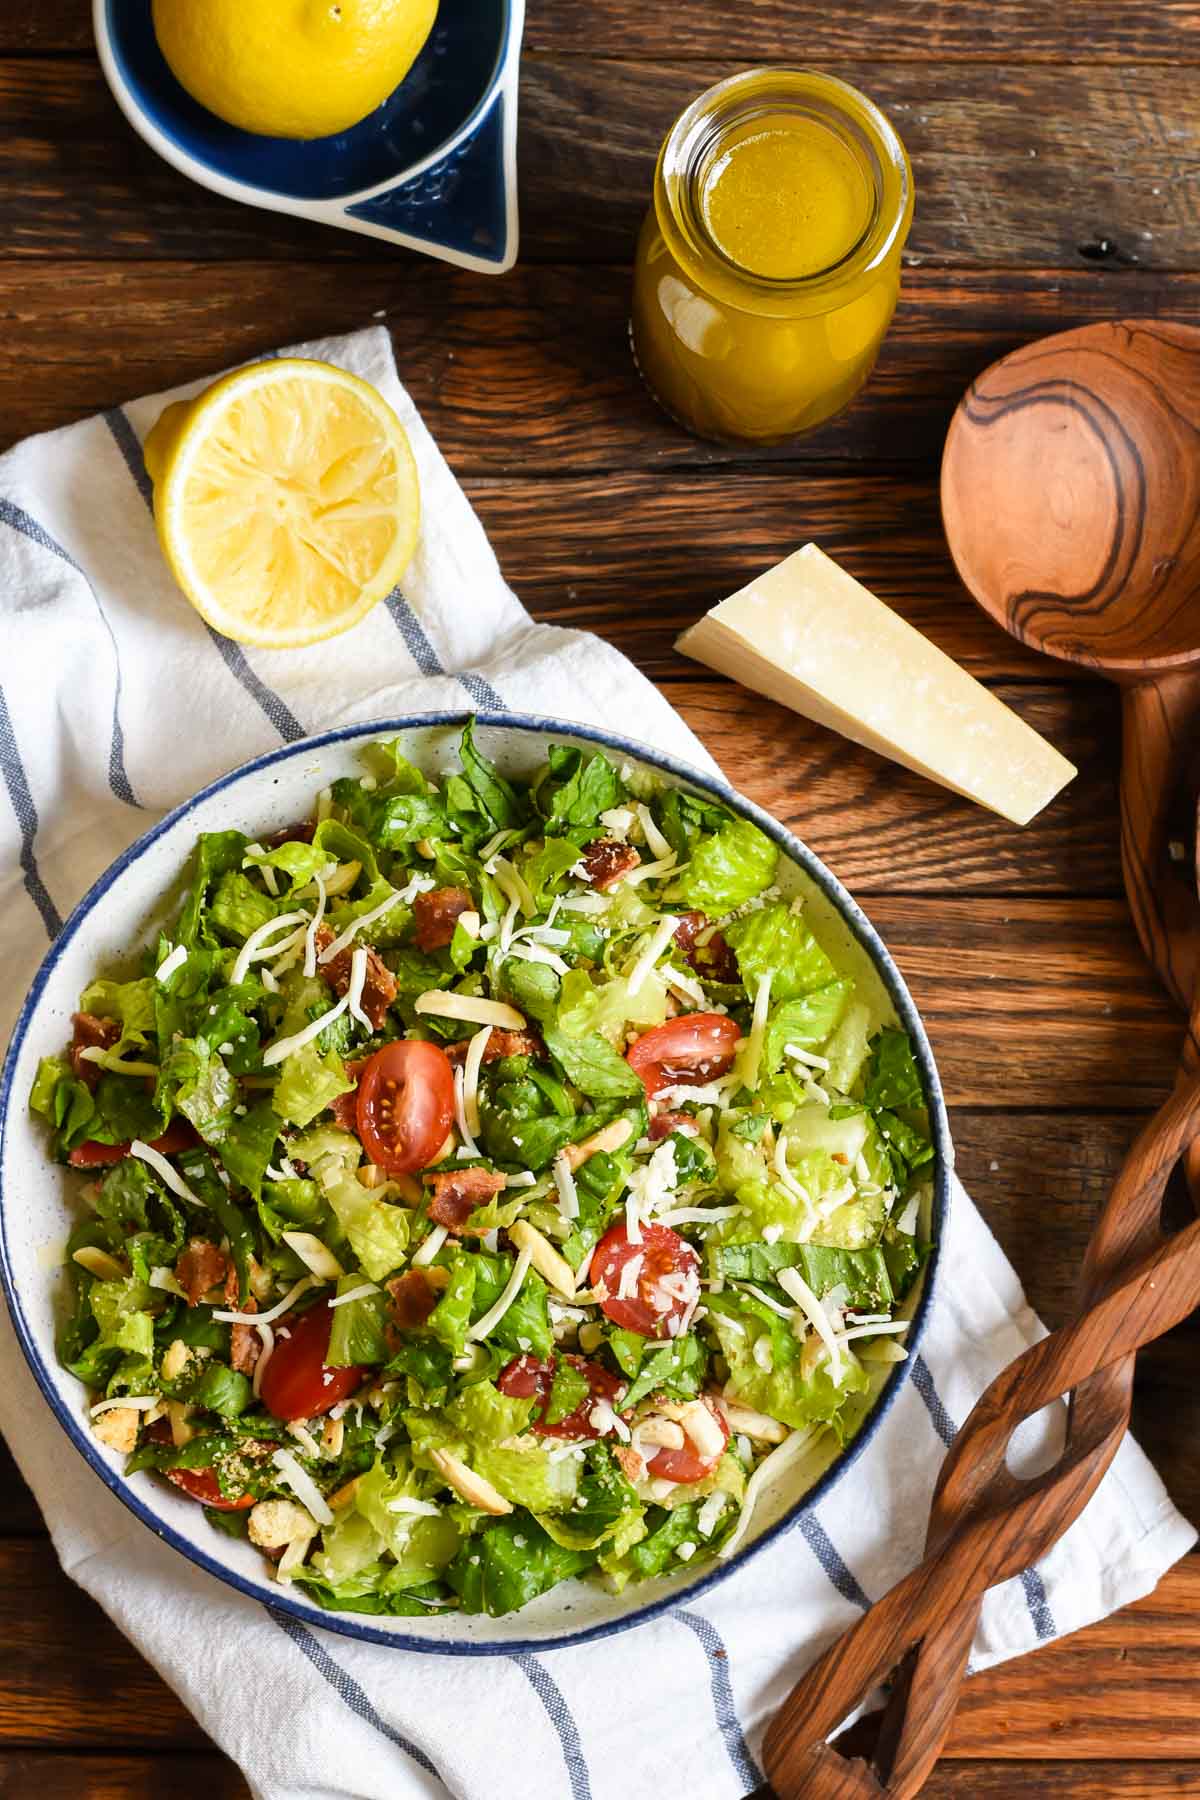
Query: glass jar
[{"x": 769, "y": 263}]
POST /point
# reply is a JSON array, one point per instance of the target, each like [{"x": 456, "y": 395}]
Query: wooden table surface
[{"x": 1056, "y": 145}]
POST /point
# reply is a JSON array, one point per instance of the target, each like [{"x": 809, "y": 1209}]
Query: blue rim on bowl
[
  {"x": 354, "y": 1625},
  {"x": 432, "y": 169}
]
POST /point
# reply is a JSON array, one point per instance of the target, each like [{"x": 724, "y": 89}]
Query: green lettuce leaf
[
  {"x": 591, "y": 1062},
  {"x": 806, "y": 1021},
  {"x": 509, "y": 1564},
  {"x": 777, "y": 941},
  {"x": 729, "y": 867},
  {"x": 357, "y": 1333},
  {"x": 576, "y": 789}
]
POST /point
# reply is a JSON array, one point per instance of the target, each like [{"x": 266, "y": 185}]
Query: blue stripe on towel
[
  {"x": 17, "y": 783},
  {"x": 1036, "y": 1598},
  {"x": 345, "y": 1686},
  {"x": 426, "y": 657},
  {"x": 20, "y": 520},
  {"x": 559, "y": 1714},
  {"x": 722, "y": 1696},
  {"x": 830, "y": 1559},
  {"x": 276, "y": 709}
]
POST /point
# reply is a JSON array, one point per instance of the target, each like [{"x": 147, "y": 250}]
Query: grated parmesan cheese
[
  {"x": 155, "y": 1160},
  {"x": 564, "y": 1181},
  {"x": 475, "y": 1054},
  {"x": 303, "y": 1486},
  {"x": 274, "y": 1312},
  {"x": 358, "y": 981},
  {"x": 793, "y": 1283},
  {"x": 264, "y": 943},
  {"x": 471, "y": 1007},
  {"x": 170, "y": 963}
]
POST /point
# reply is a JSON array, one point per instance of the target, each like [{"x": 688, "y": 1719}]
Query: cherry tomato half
[
  {"x": 297, "y": 1383},
  {"x": 202, "y": 1485},
  {"x": 179, "y": 1135},
  {"x": 690, "y": 1049},
  {"x": 405, "y": 1105},
  {"x": 526, "y": 1376},
  {"x": 668, "y": 1282},
  {"x": 686, "y": 1464}
]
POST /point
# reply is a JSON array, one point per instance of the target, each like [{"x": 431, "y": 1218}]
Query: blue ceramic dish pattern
[{"x": 428, "y": 167}]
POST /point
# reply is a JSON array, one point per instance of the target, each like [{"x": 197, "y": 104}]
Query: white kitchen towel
[{"x": 116, "y": 701}]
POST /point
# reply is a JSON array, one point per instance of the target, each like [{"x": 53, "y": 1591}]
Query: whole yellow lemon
[{"x": 292, "y": 68}]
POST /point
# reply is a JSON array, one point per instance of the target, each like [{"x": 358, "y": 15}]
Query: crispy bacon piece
[
  {"x": 91, "y": 1033},
  {"x": 245, "y": 1345},
  {"x": 664, "y": 1123},
  {"x": 501, "y": 1043},
  {"x": 714, "y": 960},
  {"x": 345, "y": 1107},
  {"x": 302, "y": 832},
  {"x": 379, "y": 989},
  {"x": 605, "y": 862},
  {"x": 200, "y": 1267},
  {"x": 412, "y": 1297},
  {"x": 435, "y": 914},
  {"x": 457, "y": 1193}
]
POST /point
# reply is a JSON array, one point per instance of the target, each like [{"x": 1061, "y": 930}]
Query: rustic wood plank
[
  {"x": 1019, "y": 173},
  {"x": 532, "y": 372},
  {"x": 579, "y": 550},
  {"x": 990, "y": 160},
  {"x": 977, "y": 30},
  {"x": 884, "y": 829},
  {"x": 1121, "y": 1690},
  {"x": 208, "y": 1776},
  {"x": 199, "y": 1775}
]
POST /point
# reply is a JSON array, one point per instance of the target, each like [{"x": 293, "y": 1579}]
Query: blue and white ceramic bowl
[
  {"x": 433, "y": 169},
  {"x": 38, "y": 1200}
]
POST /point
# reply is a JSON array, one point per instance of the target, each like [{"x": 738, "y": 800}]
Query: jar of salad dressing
[{"x": 769, "y": 263}]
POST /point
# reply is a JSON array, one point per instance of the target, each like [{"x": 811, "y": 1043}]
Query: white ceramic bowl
[{"x": 38, "y": 1200}]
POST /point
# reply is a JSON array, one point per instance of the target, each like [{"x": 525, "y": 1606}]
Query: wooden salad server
[
  {"x": 1071, "y": 505},
  {"x": 1051, "y": 464}
]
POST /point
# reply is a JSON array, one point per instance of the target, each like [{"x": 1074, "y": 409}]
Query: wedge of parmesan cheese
[{"x": 807, "y": 634}]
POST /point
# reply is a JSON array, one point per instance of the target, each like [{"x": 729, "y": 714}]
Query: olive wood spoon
[{"x": 1071, "y": 505}]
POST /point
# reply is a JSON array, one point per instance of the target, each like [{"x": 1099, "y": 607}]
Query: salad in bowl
[{"x": 484, "y": 1180}]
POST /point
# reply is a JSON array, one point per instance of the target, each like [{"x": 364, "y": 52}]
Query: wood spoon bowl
[{"x": 1071, "y": 505}]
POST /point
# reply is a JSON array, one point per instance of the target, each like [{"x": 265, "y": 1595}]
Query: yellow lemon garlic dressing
[
  {"x": 769, "y": 264},
  {"x": 787, "y": 199}
]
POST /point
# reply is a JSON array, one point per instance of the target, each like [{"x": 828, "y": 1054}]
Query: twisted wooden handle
[{"x": 987, "y": 1525}]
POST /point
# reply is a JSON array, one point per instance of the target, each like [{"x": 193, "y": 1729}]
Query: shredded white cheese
[
  {"x": 655, "y": 841},
  {"x": 310, "y": 934},
  {"x": 564, "y": 1181},
  {"x": 264, "y": 942},
  {"x": 648, "y": 871},
  {"x": 475, "y": 1054},
  {"x": 303, "y": 1486},
  {"x": 769, "y": 1469},
  {"x": 275, "y": 1053},
  {"x": 627, "y": 1286},
  {"x": 807, "y": 1057},
  {"x": 907, "y": 1221},
  {"x": 460, "y": 1114},
  {"x": 698, "y": 1215},
  {"x": 274, "y": 1312},
  {"x": 175, "y": 960},
  {"x": 268, "y": 1350},
  {"x": 793, "y": 1283},
  {"x": 358, "y": 981},
  {"x": 356, "y": 1293},
  {"x": 752, "y": 1056},
  {"x": 418, "y": 885},
  {"x": 492, "y": 1317},
  {"x": 135, "y": 1402},
  {"x": 155, "y": 1160},
  {"x": 430, "y": 1247},
  {"x": 664, "y": 932},
  {"x": 424, "y": 1509}
]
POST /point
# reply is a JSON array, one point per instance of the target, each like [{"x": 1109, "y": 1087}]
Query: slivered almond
[
  {"x": 344, "y": 1495},
  {"x": 179, "y": 1412},
  {"x": 664, "y": 1433},
  {"x": 99, "y": 1263},
  {"x": 610, "y": 1137},
  {"x": 467, "y": 1484},
  {"x": 545, "y": 1258},
  {"x": 371, "y": 1175},
  {"x": 753, "y": 1424}
]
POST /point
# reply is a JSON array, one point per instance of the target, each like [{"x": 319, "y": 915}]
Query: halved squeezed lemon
[{"x": 286, "y": 501}]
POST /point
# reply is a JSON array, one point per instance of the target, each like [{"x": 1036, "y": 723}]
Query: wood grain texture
[
  {"x": 201, "y": 1775},
  {"x": 208, "y": 1776},
  {"x": 528, "y": 375},
  {"x": 1073, "y": 156},
  {"x": 886, "y": 830},
  {"x": 768, "y": 31}
]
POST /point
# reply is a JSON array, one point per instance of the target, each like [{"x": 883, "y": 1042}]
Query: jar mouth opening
[{"x": 698, "y": 135}]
